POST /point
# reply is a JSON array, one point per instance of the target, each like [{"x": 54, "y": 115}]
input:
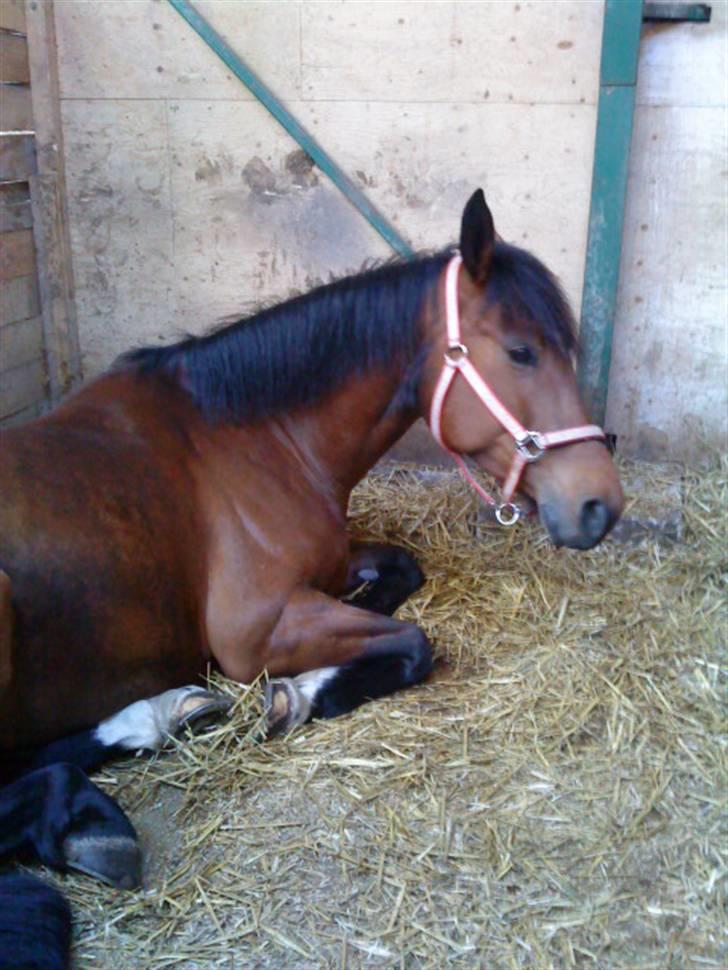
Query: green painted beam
[
  {"x": 618, "y": 77},
  {"x": 282, "y": 115}
]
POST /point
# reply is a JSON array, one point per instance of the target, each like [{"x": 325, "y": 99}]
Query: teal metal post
[
  {"x": 282, "y": 115},
  {"x": 618, "y": 78}
]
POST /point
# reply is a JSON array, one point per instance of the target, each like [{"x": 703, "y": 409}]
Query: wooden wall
[
  {"x": 188, "y": 202},
  {"x": 23, "y": 373},
  {"x": 39, "y": 358},
  {"x": 669, "y": 384}
]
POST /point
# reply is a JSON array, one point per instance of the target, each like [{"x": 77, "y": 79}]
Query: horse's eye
[{"x": 523, "y": 355}]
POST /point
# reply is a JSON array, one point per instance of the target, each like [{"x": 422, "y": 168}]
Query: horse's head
[{"x": 501, "y": 363}]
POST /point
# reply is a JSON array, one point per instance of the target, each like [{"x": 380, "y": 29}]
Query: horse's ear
[{"x": 477, "y": 237}]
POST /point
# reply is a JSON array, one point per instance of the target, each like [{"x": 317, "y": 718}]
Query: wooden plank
[
  {"x": 120, "y": 209},
  {"x": 22, "y": 387},
  {"x": 48, "y": 197},
  {"x": 14, "y": 67},
  {"x": 21, "y": 343},
  {"x": 668, "y": 393},
  {"x": 12, "y": 15},
  {"x": 17, "y": 255},
  {"x": 451, "y": 52},
  {"x": 26, "y": 414},
  {"x": 19, "y": 299},
  {"x": 162, "y": 58},
  {"x": 17, "y": 157},
  {"x": 16, "y": 109},
  {"x": 15, "y": 211}
]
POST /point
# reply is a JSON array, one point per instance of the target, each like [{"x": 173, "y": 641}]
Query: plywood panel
[
  {"x": 685, "y": 64},
  {"x": 252, "y": 221},
  {"x": 21, "y": 343},
  {"x": 15, "y": 211},
  {"x": 18, "y": 299},
  {"x": 16, "y": 110},
  {"x": 668, "y": 382},
  {"x": 484, "y": 51},
  {"x": 17, "y": 255},
  {"x": 121, "y": 225},
  {"x": 12, "y": 15},
  {"x": 17, "y": 157},
  {"x": 146, "y": 50},
  {"x": 21, "y": 388},
  {"x": 14, "y": 59}
]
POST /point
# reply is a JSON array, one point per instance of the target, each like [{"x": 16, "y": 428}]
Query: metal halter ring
[
  {"x": 455, "y": 348},
  {"x": 530, "y": 446},
  {"x": 509, "y": 517}
]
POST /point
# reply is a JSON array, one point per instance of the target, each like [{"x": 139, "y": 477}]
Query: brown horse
[{"x": 189, "y": 506}]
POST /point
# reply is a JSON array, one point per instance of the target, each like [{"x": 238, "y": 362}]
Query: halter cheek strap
[{"x": 530, "y": 445}]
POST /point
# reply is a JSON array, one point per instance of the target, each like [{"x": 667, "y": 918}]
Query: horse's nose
[{"x": 596, "y": 520}]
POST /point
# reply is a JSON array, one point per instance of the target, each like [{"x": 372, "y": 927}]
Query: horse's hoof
[
  {"x": 200, "y": 710},
  {"x": 286, "y": 707},
  {"x": 113, "y": 859}
]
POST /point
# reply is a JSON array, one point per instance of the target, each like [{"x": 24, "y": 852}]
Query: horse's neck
[{"x": 348, "y": 434}]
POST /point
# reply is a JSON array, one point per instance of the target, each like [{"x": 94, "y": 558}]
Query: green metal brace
[
  {"x": 266, "y": 97},
  {"x": 618, "y": 77}
]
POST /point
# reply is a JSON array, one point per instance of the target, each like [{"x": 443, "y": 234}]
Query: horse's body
[{"x": 190, "y": 505}]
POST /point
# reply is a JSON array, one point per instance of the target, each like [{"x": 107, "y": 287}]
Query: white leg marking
[
  {"x": 145, "y": 724},
  {"x": 312, "y": 681}
]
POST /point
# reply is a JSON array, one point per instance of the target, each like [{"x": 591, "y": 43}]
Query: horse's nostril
[{"x": 596, "y": 519}]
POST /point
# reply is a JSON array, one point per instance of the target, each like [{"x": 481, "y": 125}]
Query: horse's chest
[{"x": 254, "y": 565}]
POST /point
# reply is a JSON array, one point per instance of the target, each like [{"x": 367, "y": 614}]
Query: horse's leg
[
  {"x": 381, "y": 577},
  {"x": 348, "y": 656},
  {"x": 35, "y": 925},
  {"x": 144, "y": 725},
  {"x": 61, "y": 818}
]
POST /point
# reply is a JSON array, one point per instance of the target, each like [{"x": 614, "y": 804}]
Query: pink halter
[{"x": 530, "y": 445}]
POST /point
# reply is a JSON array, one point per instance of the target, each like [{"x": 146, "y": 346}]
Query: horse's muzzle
[{"x": 595, "y": 519}]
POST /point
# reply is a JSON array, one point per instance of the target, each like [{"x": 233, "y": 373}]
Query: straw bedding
[{"x": 553, "y": 797}]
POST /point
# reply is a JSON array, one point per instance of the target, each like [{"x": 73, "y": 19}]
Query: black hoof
[{"x": 115, "y": 860}]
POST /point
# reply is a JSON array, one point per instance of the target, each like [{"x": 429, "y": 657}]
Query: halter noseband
[{"x": 530, "y": 445}]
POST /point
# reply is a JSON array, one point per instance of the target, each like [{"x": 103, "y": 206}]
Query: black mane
[{"x": 294, "y": 353}]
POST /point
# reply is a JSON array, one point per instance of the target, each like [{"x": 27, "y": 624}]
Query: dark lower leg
[{"x": 58, "y": 816}]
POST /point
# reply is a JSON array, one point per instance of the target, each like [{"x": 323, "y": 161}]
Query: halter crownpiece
[{"x": 529, "y": 445}]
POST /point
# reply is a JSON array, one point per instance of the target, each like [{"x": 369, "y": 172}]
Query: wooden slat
[
  {"x": 19, "y": 299},
  {"x": 14, "y": 59},
  {"x": 17, "y": 157},
  {"x": 50, "y": 216},
  {"x": 12, "y": 15},
  {"x": 21, "y": 343},
  {"x": 27, "y": 414},
  {"x": 17, "y": 255},
  {"x": 16, "y": 109},
  {"x": 22, "y": 387},
  {"x": 15, "y": 209}
]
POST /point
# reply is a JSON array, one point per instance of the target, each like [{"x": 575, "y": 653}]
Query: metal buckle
[
  {"x": 503, "y": 517},
  {"x": 531, "y": 446},
  {"x": 457, "y": 348}
]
